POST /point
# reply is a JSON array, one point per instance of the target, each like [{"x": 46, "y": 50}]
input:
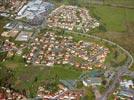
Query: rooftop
[{"x": 34, "y": 8}]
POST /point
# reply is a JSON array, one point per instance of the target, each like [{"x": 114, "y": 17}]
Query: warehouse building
[{"x": 35, "y": 12}]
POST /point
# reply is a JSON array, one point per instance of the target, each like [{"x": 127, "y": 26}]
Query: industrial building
[
  {"x": 24, "y": 36},
  {"x": 35, "y": 12}
]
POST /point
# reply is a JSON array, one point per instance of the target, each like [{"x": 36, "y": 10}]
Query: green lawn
[
  {"x": 90, "y": 94},
  {"x": 127, "y": 78},
  {"x": 65, "y": 72},
  {"x": 113, "y": 18},
  {"x": 111, "y": 97},
  {"x": 3, "y": 21},
  {"x": 132, "y": 68},
  {"x": 123, "y": 2},
  {"x": 26, "y": 76},
  {"x": 33, "y": 76}
]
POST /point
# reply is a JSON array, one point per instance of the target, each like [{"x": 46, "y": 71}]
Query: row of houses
[
  {"x": 8, "y": 94},
  {"x": 53, "y": 49},
  {"x": 71, "y": 18},
  {"x": 62, "y": 94},
  {"x": 8, "y": 48},
  {"x": 10, "y": 5}
]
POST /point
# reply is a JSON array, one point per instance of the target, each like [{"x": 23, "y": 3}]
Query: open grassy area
[
  {"x": 3, "y": 21},
  {"x": 127, "y": 78},
  {"x": 87, "y": 2},
  {"x": 121, "y": 2},
  {"x": 13, "y": 62},
  {"x": 132, "y": 68},
  {"x": 33, "y": 76},
  {"x": 114, "y": 19},
  {"x": 90, "y": 94}
]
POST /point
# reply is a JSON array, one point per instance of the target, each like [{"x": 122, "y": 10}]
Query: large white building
[
  {"x": 35, "y": 11},
  {"x": 92, "y": 81}
]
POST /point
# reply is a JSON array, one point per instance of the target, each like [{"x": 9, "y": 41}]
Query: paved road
[
  {"x": 96, "y": 92},
  {"x": 116, "y": 80},
  {"x": 129, "y": 73}
]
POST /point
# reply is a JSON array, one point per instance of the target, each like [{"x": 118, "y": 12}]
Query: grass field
[
  {"x": 121, "y": 2},
  {"x": 114, "y": 19},
  {"x": 33, "y": 76},
  {"x": 3, "y": 21},
  {"x": 26, "y": 76},
  {"x": 87, "y": 2}
]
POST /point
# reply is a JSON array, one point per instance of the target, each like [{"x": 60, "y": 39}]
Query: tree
[
  {"x": 6, "y": 77},
  {"x": 104, "y": 82}
]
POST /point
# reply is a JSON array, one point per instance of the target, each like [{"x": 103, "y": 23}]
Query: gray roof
[
  {"x": 35, "y": 8},
  {"x": 126, "y": 93},
  {"x": 69, "y": 83}
]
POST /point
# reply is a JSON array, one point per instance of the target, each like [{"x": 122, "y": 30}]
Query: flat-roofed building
[
  {"x": 92, "y": 81},
  {"x": 35, "y": 11},
  {"x": 24, "y": 36}
]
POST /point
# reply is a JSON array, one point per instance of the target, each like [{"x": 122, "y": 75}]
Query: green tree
[{"x": 6, "y": 77}]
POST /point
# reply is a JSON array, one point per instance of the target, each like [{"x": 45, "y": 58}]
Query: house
[
  {"x": 71, "y": 17},
  {"x": 11, "y": 33},
  {"x": 10, "y": 25},
  {"x": 127, "y": 84}
]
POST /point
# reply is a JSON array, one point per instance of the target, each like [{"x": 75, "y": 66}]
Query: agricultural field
[
  {"x": 121, "y": 2},
  {"x": 114, "y": 19}
]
